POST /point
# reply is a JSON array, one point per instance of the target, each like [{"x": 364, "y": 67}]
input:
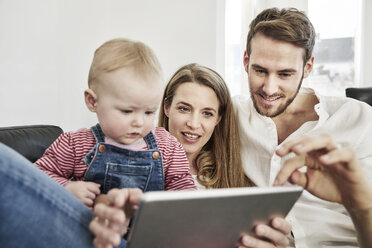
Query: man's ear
[
  {"x": 308, "y": 67},
  {"x": 90, "y": 99},
  {"x": 246, "y": 61}
]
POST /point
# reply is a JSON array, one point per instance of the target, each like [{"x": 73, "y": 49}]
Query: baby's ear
[{"x": 90, "y": 99}]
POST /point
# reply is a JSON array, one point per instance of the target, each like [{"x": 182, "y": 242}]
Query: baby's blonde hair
[{"x": 119, "y": 53}]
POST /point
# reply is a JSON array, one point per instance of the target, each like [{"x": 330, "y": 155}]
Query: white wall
[
  {"x": 46, "y": 48},
  {"x": 366, "y": 56}
]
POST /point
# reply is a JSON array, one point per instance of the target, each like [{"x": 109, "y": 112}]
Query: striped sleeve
[
  {"x": 63, "y": 160},
  {"x": 177, "y": 174}
]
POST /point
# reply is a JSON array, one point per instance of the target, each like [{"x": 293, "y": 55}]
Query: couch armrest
[
  {"x": 361, "y": 94},
  {"x": 31, "y": 140}
]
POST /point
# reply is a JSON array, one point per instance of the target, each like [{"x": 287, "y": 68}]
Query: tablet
[{"x": 206, "y": 218}]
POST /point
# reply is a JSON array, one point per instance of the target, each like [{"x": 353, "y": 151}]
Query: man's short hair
[{"x": 289, "y": 25}]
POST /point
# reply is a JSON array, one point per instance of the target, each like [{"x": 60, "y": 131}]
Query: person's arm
[
  {"x": 111, "y": 222},
  {"x": 177, "y": 174},
  {"x": 332, "y": 174},
  {"x": 362, "y": 220},
  {"x": 58, "y": 160}
]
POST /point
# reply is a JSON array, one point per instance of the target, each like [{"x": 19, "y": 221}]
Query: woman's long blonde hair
[{"x": 219, "y": 162}]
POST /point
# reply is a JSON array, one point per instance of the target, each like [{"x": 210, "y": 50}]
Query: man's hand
[
  {"x": 113, "y": 216},
  {"x": 273, "y": 236},
  {"x": 332, "y": 174},
  {"x": 84, "y": 191}
]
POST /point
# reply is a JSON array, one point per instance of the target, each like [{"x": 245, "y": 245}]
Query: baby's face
[{"x": 126, "y": 104}]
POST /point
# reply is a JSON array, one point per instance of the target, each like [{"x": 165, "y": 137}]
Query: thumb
[{"x": 299, "y": 178}]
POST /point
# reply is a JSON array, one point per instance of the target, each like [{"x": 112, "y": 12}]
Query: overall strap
[
  {"x": 98, "y": 133},
  {"x": 151, "y": 141}
]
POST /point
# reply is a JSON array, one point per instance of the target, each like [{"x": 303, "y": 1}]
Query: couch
[
  {"x": 361, "y": 94},
  {"x": 30, "y": 140}
]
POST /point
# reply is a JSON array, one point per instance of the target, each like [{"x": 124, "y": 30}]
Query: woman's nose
[{"x": 194, "y": 121}]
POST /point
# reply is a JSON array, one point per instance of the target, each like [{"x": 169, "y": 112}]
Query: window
[
  {"x": 336, "y": 56},
  {"x": 233, "y": 43},
  {"x": 337, "y": 48}
]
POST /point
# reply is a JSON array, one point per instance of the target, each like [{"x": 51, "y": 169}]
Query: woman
[{"x": 197, "y": 110}]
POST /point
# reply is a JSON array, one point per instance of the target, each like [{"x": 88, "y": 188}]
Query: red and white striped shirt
[{"x": 63, "y": 160}]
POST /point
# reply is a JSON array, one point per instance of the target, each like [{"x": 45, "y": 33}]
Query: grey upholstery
[
  {"x": 361, "y": 94},
  {"x": 31, "y": 141}
]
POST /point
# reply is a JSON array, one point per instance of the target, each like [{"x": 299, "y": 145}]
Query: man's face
[{"x": 275, "y": 72}]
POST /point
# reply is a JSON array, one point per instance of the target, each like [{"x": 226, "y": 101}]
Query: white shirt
[
  {"x": 197, "y": 184},
  {"x": 315, "y": 223}
]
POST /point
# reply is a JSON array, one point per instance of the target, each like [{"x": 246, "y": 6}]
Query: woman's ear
[
  {"x": 166, "y": 110},
  {"x": 219, "y": 119},
  {"x": 90, "y": 100}
]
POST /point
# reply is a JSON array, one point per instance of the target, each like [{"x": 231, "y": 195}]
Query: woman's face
[{"x": 193, "y": 115}]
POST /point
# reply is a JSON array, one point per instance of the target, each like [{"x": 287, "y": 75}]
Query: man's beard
[{"x": 282, "y": 108}]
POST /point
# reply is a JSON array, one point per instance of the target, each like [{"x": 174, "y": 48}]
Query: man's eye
[
  {"x": 259, "y": 71},
  {"x": 285, "y": 74}
]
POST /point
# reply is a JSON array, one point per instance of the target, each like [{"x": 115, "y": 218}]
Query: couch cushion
[{"x": 31, "y": 140}]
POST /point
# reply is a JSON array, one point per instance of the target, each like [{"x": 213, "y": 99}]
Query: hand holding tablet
[{"x": 209, "y": 218}]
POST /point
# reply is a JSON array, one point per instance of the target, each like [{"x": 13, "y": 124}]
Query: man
[{"x": 277, "y": 58}]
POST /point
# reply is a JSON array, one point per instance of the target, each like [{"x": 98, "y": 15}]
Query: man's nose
[{"x": 270, "y": 86}]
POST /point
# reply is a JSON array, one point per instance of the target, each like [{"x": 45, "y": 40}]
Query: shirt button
[
  {"x": 155, "y": 155},
  {"x": 102, "y": 148}
]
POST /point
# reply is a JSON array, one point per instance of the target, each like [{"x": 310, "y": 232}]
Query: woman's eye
[
  {"x": 208, "y": 114},
  {"x": 149, "y": 112},
  {"x": 183, "y": 109},
  {"x": 126, "y": 111}
]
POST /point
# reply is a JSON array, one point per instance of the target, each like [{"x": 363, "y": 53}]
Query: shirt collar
[{"x": 319, "y": 108}]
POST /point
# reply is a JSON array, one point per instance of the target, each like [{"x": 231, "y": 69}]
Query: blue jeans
[{"x": 35, "y": 211}]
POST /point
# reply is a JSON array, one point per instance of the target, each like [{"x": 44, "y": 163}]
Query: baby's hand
[{"x": 84, "y": 191}]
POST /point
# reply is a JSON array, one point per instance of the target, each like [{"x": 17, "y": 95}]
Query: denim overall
[{"x": 115, "y": 167}]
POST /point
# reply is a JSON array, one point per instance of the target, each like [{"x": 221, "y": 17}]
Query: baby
[{"x": 124, "y": 150}]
